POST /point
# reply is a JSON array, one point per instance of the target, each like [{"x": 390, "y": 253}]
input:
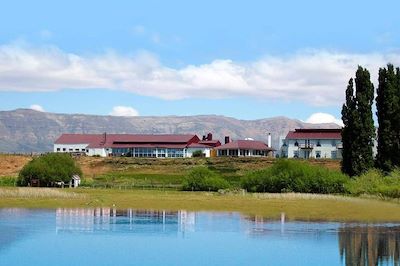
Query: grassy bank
[{"x": 296, "y": 206}]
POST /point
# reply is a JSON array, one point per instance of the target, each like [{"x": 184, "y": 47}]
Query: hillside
[{"x": 25, "y": 130}]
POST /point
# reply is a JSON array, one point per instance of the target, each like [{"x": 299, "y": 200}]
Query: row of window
[
  {"x": 72, "y": 150},
  {"x": 334, "y": 154},
  {"x": 334, "y": 142}
]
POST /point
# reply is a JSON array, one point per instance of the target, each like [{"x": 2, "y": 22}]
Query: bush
[
  {"x": 48, "y": 168},
  {"x": 203, "y": 179},
  {"x": 197, "y": 153},
  {"x": 295, "y": 176},
  {"x": 374, "y": 182}
]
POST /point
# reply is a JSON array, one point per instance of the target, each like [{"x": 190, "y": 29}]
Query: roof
[
  {"x": 128, "y": 140},
  {"x": 212, "y": 143},
  {"x": 79, "y": 138},
  {"x": 199, "y": 145},
  {"x": 323, "y": 133},
  {"x": 245, "y": 145}
]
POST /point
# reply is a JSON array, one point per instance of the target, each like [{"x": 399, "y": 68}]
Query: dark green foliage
[
  {"x": 295, "y": 176},
  {"x": 203, "y": 179},
  {"x": 197, "y": 153},
  {"x": 388, "y": 108},
  {"x": 358, "y": 131},
  {"x": 48, "y": 168}
]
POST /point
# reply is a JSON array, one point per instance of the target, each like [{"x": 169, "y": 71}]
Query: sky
[{"x": 244, "y": 59}]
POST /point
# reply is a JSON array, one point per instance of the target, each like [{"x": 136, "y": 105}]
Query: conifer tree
[
  {"x": 387, "y": 110},
  {"x": 359, "y": 131}
]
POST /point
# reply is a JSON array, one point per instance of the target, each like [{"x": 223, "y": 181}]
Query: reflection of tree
[{"x": 369, "y": 245}]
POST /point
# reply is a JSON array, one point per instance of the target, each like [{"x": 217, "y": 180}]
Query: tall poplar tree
[
  {"x": 387, "y": 112},
  {"x": 358, "y": 131}
]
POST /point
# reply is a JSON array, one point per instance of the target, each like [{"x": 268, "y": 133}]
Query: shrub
[
  {"x": 197, "y": 153},
  {"x": 374, "y": 182},
  {"x": 295, "y": 176},
  {"x": 52, "y": 167},
  {"x": 203, "y": 179}
]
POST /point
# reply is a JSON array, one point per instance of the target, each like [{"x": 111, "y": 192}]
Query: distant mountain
[{"x": 25, "y": 130}]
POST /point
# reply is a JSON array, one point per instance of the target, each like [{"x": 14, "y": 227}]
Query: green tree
[
  {"x": 387, "y": 106},
  {"x": 358, "y": 131},
  {"x": 52, "y": 167}
]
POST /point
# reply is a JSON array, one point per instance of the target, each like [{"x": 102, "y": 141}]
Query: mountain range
[{"x": 26, "y": 130}]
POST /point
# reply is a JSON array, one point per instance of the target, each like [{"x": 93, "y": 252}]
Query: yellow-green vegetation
[
  {"x": 375, "y": 182},
  {"x": 295, "y": 176},
  {"x": 295, "y": 206}
]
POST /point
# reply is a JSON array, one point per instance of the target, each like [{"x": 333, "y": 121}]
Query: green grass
[
  {"x": 295, "y": 206},
  {"x": 7, "y": 181}
]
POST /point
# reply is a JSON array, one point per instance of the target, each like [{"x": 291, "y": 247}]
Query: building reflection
[
  {"x": 111, "y": 219},
  {"x": 369, "y": 245}
]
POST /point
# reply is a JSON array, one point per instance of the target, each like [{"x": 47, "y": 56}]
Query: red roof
[
  {"x": 245, "y": 145},
  {"x": 199, "y": 145},
  {"x": 323, "y": 133},
  {"x": 79, "y": 138},
  {"x": 212, "y": 143},
  {"x": 128, "y": 140}
]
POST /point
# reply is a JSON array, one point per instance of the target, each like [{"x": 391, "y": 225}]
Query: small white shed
[{"x": 75, "y": 181}]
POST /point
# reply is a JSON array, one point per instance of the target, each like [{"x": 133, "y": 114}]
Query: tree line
[{"x": 359, "y": 131}]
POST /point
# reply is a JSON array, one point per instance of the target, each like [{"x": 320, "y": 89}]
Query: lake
[{"x": 106, "y": 236}]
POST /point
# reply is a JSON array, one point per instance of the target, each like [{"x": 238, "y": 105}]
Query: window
[
  {"x": 175, "y": 153},
  {"x": 83, "y": 150},
  {"x": 296, "y": 144},
  {"x": 333, "y": 154},
  {"x": 58, "y": 149},
  {"x": 317, "y": 154},
  {"x": 334, "y": 142},
  {"x": 296, "y": 154},
  {"x": 284, "y": 144},
  {"x": 76, "y": 149},
  {"x": 70, "y": 149},
  {"x": 64, "y": 149},
  {"x": 145, "y": 152},
  {"x": 318, "y": 143},
  {"x": 161, "y": 153}
]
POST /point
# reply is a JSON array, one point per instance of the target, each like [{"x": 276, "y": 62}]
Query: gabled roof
[
  {"x": 211, "y": 143},
  {"x": 128, "y": 140},
  {"x": 199, "y": 145},
  {"x": 245, "y": 145},
  {"x": 306, "y": 133},
  {"x": 79, "y": 139}
]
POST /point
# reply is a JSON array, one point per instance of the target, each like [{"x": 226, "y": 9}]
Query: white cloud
[
  {"x": 45, "y": 34},
  {"x": 314, "y": 77},
  {"x": 37, "y": 107},
  {"x": 319, "y": 118},
  {"x": 124, "y": 111}
]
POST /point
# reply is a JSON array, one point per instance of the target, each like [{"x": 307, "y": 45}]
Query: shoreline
[{"x": 296, "y": 206}]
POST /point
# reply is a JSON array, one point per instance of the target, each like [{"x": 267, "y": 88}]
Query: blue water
[{"x": 131, "y": 237}]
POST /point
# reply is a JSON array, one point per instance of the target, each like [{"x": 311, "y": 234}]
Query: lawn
[{"x": 295, "y": 206}]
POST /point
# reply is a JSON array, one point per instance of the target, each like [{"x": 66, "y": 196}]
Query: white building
[
  {"x": 312, "y": 143},
  {"x": 135, "y": 145}
]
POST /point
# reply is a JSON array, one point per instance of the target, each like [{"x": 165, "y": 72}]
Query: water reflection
[
  {"x": 129, "y": 220},
  {"x": 369, "y": 245},
  {"x": 261, "y": 240}
]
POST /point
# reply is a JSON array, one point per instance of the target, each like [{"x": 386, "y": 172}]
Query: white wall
[
  {"x": 68, "y": 147},
  {"x": 103, "y": 152},
  {"x": 325, "y": 149}
]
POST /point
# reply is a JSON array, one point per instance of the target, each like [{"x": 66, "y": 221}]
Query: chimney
[
  {"x": 227, "y": 139},
  {"x": 204, "y": 137},
  {"x": 209, "y": 136},
  {"x": 269, "y": 140}
]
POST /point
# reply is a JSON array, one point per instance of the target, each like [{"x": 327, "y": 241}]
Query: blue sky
[{"x": 248, "y": 59}]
